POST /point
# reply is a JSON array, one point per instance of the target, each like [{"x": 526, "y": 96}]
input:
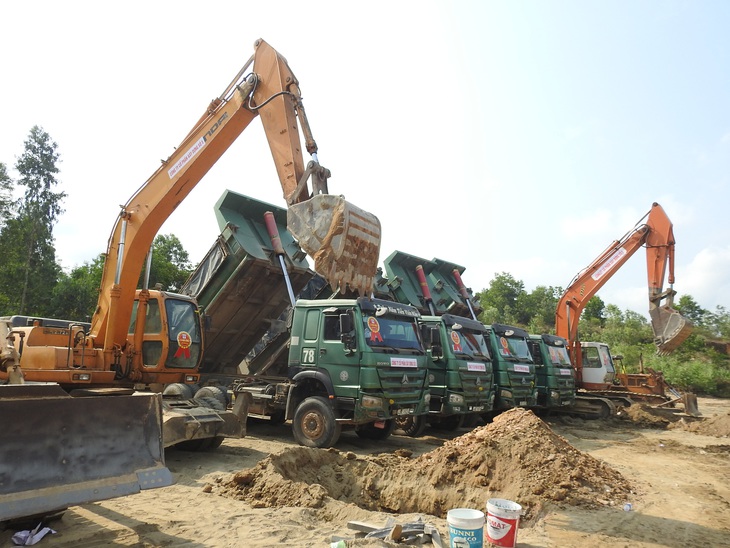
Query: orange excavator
[
  {"x": 593, "y": 364},
  {"x": 151, "y": 339}
]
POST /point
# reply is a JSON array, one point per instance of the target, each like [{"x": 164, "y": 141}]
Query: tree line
[{"x": 32, "y": 283}]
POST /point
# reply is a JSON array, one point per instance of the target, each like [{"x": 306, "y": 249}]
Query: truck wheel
[
  {"x": 411, "y": 426},
  {"x": 179, "y": 390},
  {"x": 371, "y": 432},
  {"x": 208, "y": 393},
  {"x": 315, "y": 424}
]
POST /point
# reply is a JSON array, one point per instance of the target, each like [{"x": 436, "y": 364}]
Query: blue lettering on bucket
[{"x": 466, "y": 538}]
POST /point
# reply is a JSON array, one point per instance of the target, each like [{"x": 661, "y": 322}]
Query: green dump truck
[
  {"x": 554, "y": 376},
  {"x": 459, "y": 364},
  {"x": 332, "y": 363},
  {"x": 514, "y": 370}
]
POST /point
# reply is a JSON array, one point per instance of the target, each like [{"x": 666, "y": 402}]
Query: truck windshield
[
  {"x": 468, "y": 342},
  {"x": 559, "y": 355},
  {"x": 514, "y": 348},
  {"x": 391, "y": 332}
]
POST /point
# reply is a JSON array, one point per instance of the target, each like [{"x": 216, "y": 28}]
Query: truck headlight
[
  {"x": 506, "y": 393},
  {"x": 372, "y": 402},
  {"x": 456, "y": 398},
  {"x": 555, "y": 395}
]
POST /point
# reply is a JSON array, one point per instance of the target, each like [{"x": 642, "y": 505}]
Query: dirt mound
[
  {"x": 646, "y": 416},
  {"x": 718, "y": 426},
  {"x": 517, "y": 457}
]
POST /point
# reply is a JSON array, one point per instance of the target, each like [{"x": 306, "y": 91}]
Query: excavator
[
  {"x": 595, "y": 371},
  {"x": 148, "y": 340}
]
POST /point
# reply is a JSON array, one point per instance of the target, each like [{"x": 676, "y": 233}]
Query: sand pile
[
  {"x": 645, "y": 416},
  {"x": 718, "y": 426},
  {"x": 517, "y": 457}
]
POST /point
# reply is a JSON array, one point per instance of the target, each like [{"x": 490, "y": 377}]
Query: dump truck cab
[
  {"x": 554, "y": 375},
  {"x": 514, "y": 370},
  {"x": 461, "y": 381},
  {"x": 365, "y": 356}
]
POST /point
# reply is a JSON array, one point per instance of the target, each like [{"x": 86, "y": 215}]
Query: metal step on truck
[{"x": 333, "y": 363}]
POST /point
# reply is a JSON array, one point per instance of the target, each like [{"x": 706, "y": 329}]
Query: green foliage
[
  {"x": 6, "y": 194},
  {"x": 170, "y": 263},
  {"x": 502, "y": 296},
  {"x": 595, "y": 308},
  {"x": 76, "y": 294},
  {"x": 689, "y": 308},
  {"x": 537, "y": 309},
  {"x": 29, "y": 271}
]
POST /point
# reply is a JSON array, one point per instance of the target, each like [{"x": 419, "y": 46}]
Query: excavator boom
[
  {"x": 654, "y": 231},
  {"x": 343, "y": 240}
]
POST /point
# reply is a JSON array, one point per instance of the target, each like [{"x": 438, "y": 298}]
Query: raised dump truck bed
[{"x": 239, "y": 284}]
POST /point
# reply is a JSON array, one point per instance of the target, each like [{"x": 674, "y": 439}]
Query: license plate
[
  {"x": 476, "y": 408},
  {"x": 404, "y": 411},
  {"x": 523, "y": 402}
]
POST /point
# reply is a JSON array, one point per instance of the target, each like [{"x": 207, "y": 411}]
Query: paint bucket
[
  {"x": 466, "y": 528},
  {"x": 503, "y": 519}
]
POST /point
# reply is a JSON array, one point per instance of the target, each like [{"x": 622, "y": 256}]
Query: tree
[
  {"x": 689, "y": 308},
  {"x": 29, "y": 271},
  {"x": 6, "y": 194},
  {"x": 537, "y": 308},
  {"x": 170, "y": 263},
  {"x": 502, "y": 296},
  {"x": 595, "y": 308},
  {"x": 76, "y": 294}
]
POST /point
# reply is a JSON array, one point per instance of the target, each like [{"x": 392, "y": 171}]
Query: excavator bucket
[
  {"x": 670, "y": 329},
  {"x": 343, "y": 240},
  {"x": 59, "y": 451}
]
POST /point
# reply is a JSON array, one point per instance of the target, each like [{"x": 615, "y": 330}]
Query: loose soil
[{"x": 572, "y": 477}]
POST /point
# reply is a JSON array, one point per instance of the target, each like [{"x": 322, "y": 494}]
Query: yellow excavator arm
[{"x": 343, "y": 240}]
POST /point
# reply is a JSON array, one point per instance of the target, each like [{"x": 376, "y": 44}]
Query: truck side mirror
[
  {"x": 434, "y": 342},
  {"x": 346, "y": 328}
]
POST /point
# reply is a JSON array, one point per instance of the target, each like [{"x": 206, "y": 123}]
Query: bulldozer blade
[
  {"x": 691, "y": 408},
  {"x": 60, "y": 451},
  {"x": 670, "y": 329},
  {"x": 343, "y": 240}
]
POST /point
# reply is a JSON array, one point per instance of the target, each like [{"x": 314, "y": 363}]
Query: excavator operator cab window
[
  {"x": 184, "y": 334},
  {"x": 591, "y": 358}
]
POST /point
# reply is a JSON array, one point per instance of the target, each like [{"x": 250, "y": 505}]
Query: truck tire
[
  {"x": 413, "y": 427},
  {"x": 315, "y": 424},
  {"x": 208, "y": 393},
  {"x": 179, "y": 390},
  {"x": 371, "y": 432}
]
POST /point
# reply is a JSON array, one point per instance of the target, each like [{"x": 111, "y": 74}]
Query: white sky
[{"x": 510, "y": 136}]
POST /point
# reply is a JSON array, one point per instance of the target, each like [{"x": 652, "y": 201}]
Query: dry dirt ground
[{"x": 572, "y": 477}]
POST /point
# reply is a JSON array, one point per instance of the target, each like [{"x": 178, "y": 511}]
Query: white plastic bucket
[
  {"x": 466, "y": 528},
  {"x": 503, "y": 519}
]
